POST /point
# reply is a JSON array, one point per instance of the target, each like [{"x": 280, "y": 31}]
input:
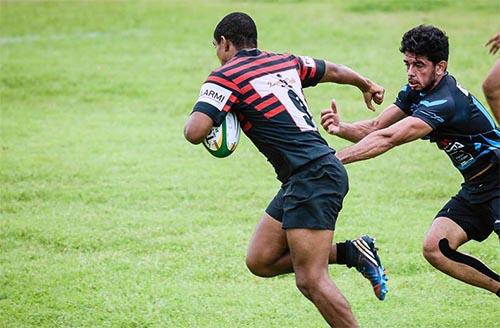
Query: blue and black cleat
[{"x": 368, "y": 263}]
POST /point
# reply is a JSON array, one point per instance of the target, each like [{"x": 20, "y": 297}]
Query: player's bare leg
[
  {"x": 491, "y": 89},
  {"x": 442, "y": 240},
  {"x": 310, "y": 250},
  {"x": 268, "y": 254}
]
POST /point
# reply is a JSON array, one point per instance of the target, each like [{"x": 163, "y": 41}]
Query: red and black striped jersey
[{"x": 265, "y": 91}]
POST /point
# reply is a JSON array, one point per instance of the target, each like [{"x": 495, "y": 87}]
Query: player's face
[{"x": 422, "y": 73}]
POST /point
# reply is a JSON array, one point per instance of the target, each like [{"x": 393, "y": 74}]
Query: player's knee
[
  {"x": 307, "y": 284},
  {"x": 304, "y": 285},
  {"x": 257, "y": 267},
  {"x": 431, "y": 251},
  {"x": 252, "y": 265}
]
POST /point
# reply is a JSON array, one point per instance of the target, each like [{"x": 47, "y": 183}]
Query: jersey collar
[
  {"x": 248, "y": 52},
  {"x": 437, "y": 87}
]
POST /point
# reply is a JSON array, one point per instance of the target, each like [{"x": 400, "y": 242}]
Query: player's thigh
[
  {"x": 309, "y": 249},
  {"x": 445, "y": 228},
  {"x": 268, "y": 242},
  {"x": 460, "y": 220}
]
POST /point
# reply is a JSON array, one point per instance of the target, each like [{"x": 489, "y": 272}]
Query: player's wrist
[
  {"x": 365, "y": 85},
  {"x": 340, "y": 132}
]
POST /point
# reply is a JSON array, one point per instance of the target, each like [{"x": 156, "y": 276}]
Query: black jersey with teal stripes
[
  {"x": 461, "y": 125},
  {"x": 265, "y": 91}
]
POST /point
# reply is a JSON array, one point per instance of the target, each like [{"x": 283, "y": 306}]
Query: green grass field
[{"x": 109, "y": 218}]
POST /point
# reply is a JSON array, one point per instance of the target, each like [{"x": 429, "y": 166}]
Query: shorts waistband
[{"x": 317, "y": 161}]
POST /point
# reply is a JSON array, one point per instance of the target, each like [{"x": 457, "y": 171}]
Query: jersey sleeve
[
  {"x": 217, "y": 95},
  {"x": 403, "y": 101},
  {"x": 311, "y": 70},
  {"x": 434, "y": 112}
]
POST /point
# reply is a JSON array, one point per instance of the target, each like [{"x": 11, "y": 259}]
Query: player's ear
[
  {"x": 441, "y": 67},
  {"x": 224, "y": 43}
]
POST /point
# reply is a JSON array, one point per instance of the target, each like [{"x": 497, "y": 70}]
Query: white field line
[{"x": 6, "y": 40}]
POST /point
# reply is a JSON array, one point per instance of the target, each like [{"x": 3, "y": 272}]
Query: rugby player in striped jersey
[{"x": 296, "y": 231}]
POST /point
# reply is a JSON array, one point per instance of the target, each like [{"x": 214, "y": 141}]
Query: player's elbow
[
  {"x": 395, "y": 140},
  {"x": 387, "y": 140},
  {"x": 197, "y": 127},
  {"x": 193, "y": 135},
  {"x": 386, "y": 144}
]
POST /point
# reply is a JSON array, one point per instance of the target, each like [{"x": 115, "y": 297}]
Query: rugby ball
[{"x": 223, "y": 139}]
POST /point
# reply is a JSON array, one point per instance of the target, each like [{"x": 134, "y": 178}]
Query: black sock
[
  {"x": 341, "y": 253},
  {"x": 347, "y": 254}
]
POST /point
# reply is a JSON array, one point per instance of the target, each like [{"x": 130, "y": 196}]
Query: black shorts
[
  {"x": 312, "y": 197},
  {"x": 476, "y": 206}
]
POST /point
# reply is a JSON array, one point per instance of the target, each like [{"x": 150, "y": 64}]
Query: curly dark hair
[
  {"x": 239, "y": 28},
  {"x": 426, "y": 40}
]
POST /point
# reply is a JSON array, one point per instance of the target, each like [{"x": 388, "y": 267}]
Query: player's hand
[
  {"x": 495, "y": 44},
  {"x": 376, "y": 93},
  {"x": 330, "y": 119}
]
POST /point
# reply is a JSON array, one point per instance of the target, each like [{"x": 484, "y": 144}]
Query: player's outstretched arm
[
  {"x": 197, "y": 127},
  {"x": 330, "y": 120},
  {"x": 380, "y": 141},
  {"x": 341, "y": 74}
]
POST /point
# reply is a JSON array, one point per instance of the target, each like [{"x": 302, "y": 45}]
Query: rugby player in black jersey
[
  {"x": 434, "y": 106},
  {"x": 296, "y": 231}
]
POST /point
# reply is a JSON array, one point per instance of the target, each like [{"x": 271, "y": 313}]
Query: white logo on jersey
[
  {"x": 458, "y": 154},
  {"x": 286, "y": 87},
  {"x": 214, "y": 95},
  {"x": 453, "y": 146},
  {"x": 308, "y": 61}
]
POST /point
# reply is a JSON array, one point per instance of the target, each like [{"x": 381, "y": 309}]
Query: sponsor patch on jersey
[
  {"x": 214, "y": 95},
  {"x": 308, "y": 61}
]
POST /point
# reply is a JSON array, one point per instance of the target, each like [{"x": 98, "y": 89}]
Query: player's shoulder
[
  {"x": 246, "y": 60},
  {"x": 437, "y": 105},
  {"x": 446, "y": 93},
  {"x": 281, "y": 57},
  {"x": 406, "y": 95},
  {"x": 456, "y": 91},
  {"x": 405, "y": 89},
  {"x": 440, "y": 98},
  {"x": 221, "y": 77},
  {"x": 219, "y": 86}
]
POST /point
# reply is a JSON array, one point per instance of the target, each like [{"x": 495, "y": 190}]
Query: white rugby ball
[{"x": 223, "y": 139}]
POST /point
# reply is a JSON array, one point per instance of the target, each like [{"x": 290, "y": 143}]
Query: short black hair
[
  {"x": 426, "y": 40},
  {"x": 239, "y": 28}
]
